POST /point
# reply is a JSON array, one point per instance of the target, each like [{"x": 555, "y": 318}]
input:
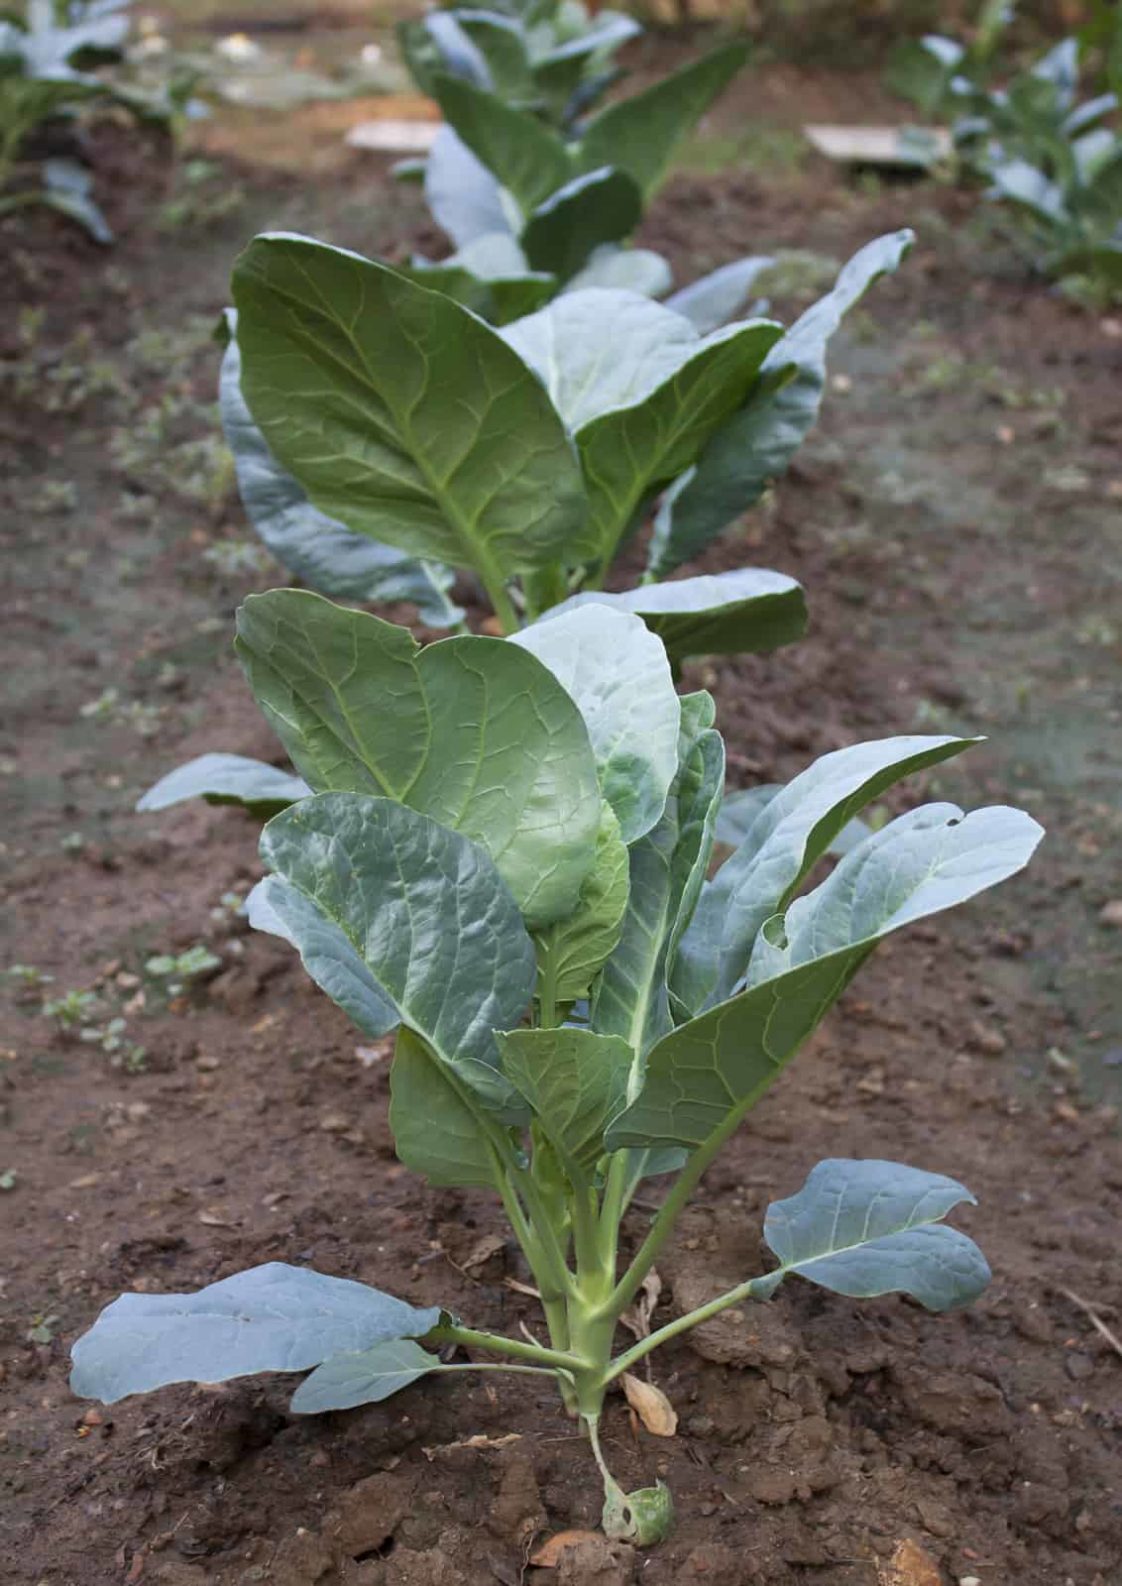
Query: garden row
[{"x": 501, "y": 849}]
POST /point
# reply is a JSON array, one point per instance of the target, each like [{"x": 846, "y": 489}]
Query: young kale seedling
[{"x": 505, "y": 860}]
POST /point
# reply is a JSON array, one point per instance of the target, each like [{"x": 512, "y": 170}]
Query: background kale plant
[{"x": 506, "y": 861}]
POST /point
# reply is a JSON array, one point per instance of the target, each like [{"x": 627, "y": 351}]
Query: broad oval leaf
[
  {"x": 789, "y": 834},
  {"x": 588, "y": 212},
  {"x": 721, "y": 1061},
  {"x": 269, "y": 1318},
  {"x": 399, "y": 919},
  {"x": 716, "y": 298},
  {"x": 640, "y": 135},
  {"x": 616, "y": 672},
  {"x": 869, "y": 1228},
  {"x": 498, "y": 299},
  {"x": 364, "y": 1376},
  {"x": 574, "y": 1080},
  {"x": 227, "y": 779},
  {"x": 401, "y": 414},
  {"x": 758, "y": 442},
  {"x": 435, "y": 1118},
  {"x": 323, "y": 553},
  {"x": 748, "y": 609},
  {"x": 465, "y": 730}
]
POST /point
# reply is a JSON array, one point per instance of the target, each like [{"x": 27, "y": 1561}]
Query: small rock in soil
[{"x": 1111, "y": 914}]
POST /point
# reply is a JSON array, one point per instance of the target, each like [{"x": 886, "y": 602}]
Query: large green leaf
[
  {"x": 321, "y": 552},
  {"x": 750, "y": 608},
  {"x": 717, "y": 1064},
  {"x": 364, "y": 1376},
  {"x": 401, "y": 414},
  {"x": 499, "y": 299},
  {"x": 758, "y": 442},
  {"x": 227, "y": 779},
  {"x": 400, "y": 920},
  {"x": 603, "y": 207},
  {"x": 667, "y": 868},
  {"x": 574, "y": 1080},
  {"x": 624, "y": 270},
  {"x": 502, "y": 43},
  {"x": 572, "y": 951},
  {"x": 789, "y": 834},
  {"x": 616, "y": 672},
  {"x": 466, "y": 730},
  {"x": 868, "y": 1228},
  {"x": 640, "y": 135},
  {"x": 270, "y": 1318},
  {"x": 524, "y": 156},
  {"x": 434, "y": 1118}
]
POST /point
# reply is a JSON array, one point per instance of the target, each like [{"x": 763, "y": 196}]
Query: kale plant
[
  {"x": 385, "y": 437},
  {"x": 48, "y": 61},
  {"x": 553, "y": 57},
  {"x": 506, "y": 860}
]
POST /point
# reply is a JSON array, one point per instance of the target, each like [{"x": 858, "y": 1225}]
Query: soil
[{"x": 956, "y": 522}]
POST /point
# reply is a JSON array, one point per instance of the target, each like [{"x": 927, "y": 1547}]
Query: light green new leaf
[
  {"x": 868, "y": 1228},
  {"x": 364, "y": 1376},
  {"x": 758, "y": 442},
  {"x": 227, "y": 779},
  {"x": 624, "y": 270},
  {"x": 789, "y": 834},
  {"x": 617, "y": 674},
  {"x": 434, "y": 1119},
  {"x": 748, "y": 609},
  {"x": 719, "y": 297},
  {"x": 704, "y": 1075},
  {"x": 574, "y": 1080},
  {"x": 598, "y": 350},
  {"x": 602, "y": 207},
  {"x": 628, "y": 454},
  {"x": 269, "y": 1318},
  {"x": 401, "y": 414},
  {"x": 640, "y": 135},
  {"x": 667, "y": 868},
  {"x": 572, "y": 951},
  {"x": 400, "y": 920},
  {"x": 524, "y": 156},
  {"x": 465, "y": 730}
]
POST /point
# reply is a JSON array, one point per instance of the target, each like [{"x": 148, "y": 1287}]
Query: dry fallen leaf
[
  {"x": 909, "y": 1566},
  {"x": 479, "y": 1441},
  {"x": 522, "y": 1288},
  {"x": 637, "y": 1319},
  {"x": 548, "y": 1556},
  {"x": 651, "y": 1405}
]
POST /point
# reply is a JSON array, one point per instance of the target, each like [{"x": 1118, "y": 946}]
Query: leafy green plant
[
  {"x": 1055, "y": 158},
  {"x": 71, "y": 1009},
  {"x": 177, "y": 968},
  {"x": 927, "y": 70},
  {"x": 48, "y": 57},
  {"x": 554, "y": 57},
  {"x": 505, "y": 861},
  {"x": 384, "y": 437},
  {"x": 531, "y": 210}
]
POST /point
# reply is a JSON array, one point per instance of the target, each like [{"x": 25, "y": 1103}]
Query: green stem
[
  {"x": 496, "y": 1344},
  {"x": 501, "y": 603},
  {"x": 755, "y": 1288}
]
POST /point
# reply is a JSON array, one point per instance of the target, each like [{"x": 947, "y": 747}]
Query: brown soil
[{"x": 955, "y": 521}]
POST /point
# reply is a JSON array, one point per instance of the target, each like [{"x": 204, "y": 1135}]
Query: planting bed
[{"x": 956, "y": 523}]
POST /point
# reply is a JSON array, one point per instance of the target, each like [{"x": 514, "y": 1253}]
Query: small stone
[
  {"x": 984, "y": 1038},
  {"x": 1111, "y": 914},
  {"x": 207, "y": 1063},
  {"x": 1078, "y": 1366},
  {"x": 334, "y": 1123}
]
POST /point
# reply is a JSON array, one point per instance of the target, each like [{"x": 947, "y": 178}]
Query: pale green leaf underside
[
  {"x": 616, "y": 672},
  {"x": 269, "y": 1318},
  {"x": 227, "y": 779},
  {"x": 871, "y": 1227}
]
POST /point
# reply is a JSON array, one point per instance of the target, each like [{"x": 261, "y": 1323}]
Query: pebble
[
  {"x": 1111, "y": 914},
  {"x": 984, "y": 1038},
  {"x": 1079, "y": 1367}
]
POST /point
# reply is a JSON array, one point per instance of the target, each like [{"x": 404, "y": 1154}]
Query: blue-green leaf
[{"x": 227, "y": 779}]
